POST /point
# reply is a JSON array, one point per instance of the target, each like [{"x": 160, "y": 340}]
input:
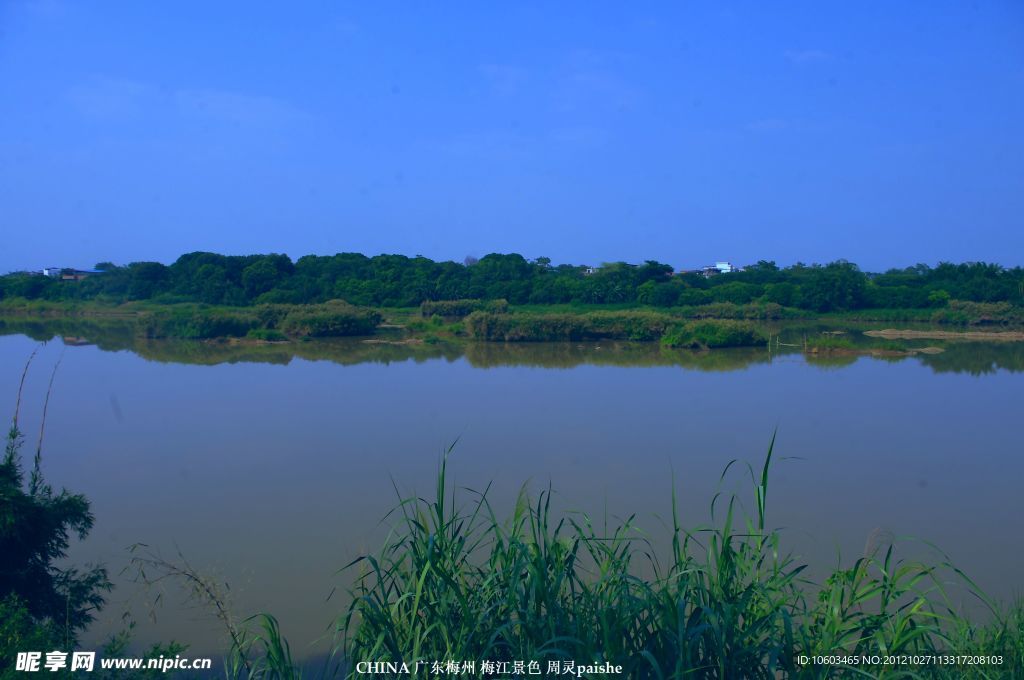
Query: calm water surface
[{"x": 271, "y": 470}]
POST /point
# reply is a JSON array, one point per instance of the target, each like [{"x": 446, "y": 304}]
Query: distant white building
[
  {"x": 69, "y": 273},
  {"x": 725, "y": 267},
  {"x": 720, "y": 268}
]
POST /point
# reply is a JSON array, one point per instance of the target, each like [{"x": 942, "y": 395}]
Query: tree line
[{"x": 400, "y": 281}]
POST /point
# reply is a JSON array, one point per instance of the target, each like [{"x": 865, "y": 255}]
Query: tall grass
[
  {"x": 195, "y": 321},
  {"x": 673, "y": 330},
  {"x": 455, "y": 582},
  {"x": 541, "y": 327}
]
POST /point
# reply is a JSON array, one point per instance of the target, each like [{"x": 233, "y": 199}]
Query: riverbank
[
  {"x": 405, "y": 335},
  {"x": 722, "y": 326},
  {"x": 707, "y": 326},
  {"x": 204, "y": 322},
  {"x": 905, "y": 334}
]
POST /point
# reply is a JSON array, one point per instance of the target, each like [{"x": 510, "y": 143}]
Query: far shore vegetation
[{"x": 506, "y": 298}]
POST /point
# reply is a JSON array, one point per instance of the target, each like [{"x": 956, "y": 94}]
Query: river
[{"x": 271, "y": 467}]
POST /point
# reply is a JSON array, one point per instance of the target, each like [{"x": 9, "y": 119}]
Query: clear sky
[{"x": 886, "y": 133}]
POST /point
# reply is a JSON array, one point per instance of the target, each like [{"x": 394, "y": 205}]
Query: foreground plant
[
  {"x": 43, "y": 602},
  {"x": 457, "y": 583}
]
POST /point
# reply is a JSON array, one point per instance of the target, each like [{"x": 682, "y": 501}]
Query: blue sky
[{"x": 884, "y": 133}]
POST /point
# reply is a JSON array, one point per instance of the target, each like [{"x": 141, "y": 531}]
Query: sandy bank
[{"x": 894, "y": 334}]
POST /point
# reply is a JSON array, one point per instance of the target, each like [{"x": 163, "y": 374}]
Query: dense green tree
[
  {"x": 31, "y": 287},
  {"x": 896, "y": 297},
  {"x": 785, "y": 293},
  {"x": 665, "y": 294},
  {"x": 763, "y": 272},
  {"x": 36, "y": 525},
  {"x": 265, "y": 274},
  {"x": 834, "y": 287},
  {"x": 651, "y": 270},
  {"x": 397, "y": 280},
  {"x": 736, "y": 292},
  {"x": 694, "y": 296},
  {"x": 146, "y": 279}
]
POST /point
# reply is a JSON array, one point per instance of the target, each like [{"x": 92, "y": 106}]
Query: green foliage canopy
[
  {"x": 400, "y": 281},
  {"x": 36, "y": 526}
]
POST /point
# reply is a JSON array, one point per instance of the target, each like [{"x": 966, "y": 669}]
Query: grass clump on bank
[
  {"x": 460, "y": 583},
  {"x": 671, "y": 330},
  {"x": 713, "y": 334},
  {"x": 828, "y": 344},
  {"x": 199, "y": 322},
  {"x": 966, "y": 313},
  {"x": 191, "y": 321},
  {"x": 540, "y": 327},
  {"x": 952, "y": 313},
  {"x": 330, "y": 319}
]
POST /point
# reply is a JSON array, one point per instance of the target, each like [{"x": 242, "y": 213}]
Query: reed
[{"x": 456, "y": 582}]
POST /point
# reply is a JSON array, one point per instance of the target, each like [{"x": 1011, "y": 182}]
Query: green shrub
[
  {"x": 266, "y": 322},
  {"x": 693, "y": 296},
  {"x": 938, "y": 298},
  {"x": 20, "y": 631},
  {"x": 196, "y": 323},
  {"x": 713, "y": 334},
  {"x": 664, "y": 294},
  {"x": 735, "y": 292},
  {"x": 330, "y": 319},
  {"x": 965, "y": 313},
  {"x": 41, "y": 596},
  {"x": 527, "y": 327}
]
